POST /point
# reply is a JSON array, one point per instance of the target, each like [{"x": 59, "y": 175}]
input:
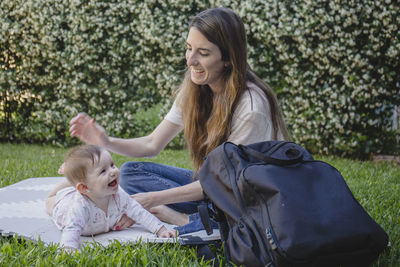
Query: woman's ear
[
  {"x": 82, "y": 188},
  {"x": 227, "y": 64}
]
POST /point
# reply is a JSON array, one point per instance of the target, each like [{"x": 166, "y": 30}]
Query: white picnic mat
[{"x": 22, "y": 212}]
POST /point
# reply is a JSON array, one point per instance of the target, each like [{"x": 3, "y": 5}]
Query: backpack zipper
[{"x": 270, "y": 238}]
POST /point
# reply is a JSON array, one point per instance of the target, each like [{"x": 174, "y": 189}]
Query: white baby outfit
[{"x": 75, "y": 214}]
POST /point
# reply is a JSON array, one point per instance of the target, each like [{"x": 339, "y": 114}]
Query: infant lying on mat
[{"x": 96, "y": 203}]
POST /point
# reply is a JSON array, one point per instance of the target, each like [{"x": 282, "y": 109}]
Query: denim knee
[
  {"x": 138, "y": 177},
  {"x": 128, "y": 176},
  {"x": 129, "y": 168}
]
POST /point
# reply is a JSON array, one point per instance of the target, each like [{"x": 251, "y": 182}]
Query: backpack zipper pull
[{"x": 270, "y": 239}]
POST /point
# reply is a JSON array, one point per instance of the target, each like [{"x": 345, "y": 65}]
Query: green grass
[{"x": 376, "y": 186}]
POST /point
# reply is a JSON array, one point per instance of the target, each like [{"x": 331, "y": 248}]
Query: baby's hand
[{"x": 165, "y": 233}]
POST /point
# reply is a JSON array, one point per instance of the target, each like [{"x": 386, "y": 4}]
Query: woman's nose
[{"x": 191, "y": 58}]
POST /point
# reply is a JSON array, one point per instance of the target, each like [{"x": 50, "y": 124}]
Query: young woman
[{"x": 220, "y": 99}]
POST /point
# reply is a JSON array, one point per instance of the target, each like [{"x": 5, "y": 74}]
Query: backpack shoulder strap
[{"x": 205, "y": 217}]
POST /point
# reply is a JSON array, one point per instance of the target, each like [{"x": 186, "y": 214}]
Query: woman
[{"x": 220, "y": 99}]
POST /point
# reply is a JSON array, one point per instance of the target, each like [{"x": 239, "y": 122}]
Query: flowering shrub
[
  {"x": 336, "y": 68},
  {"x": 108, "y": 59},
  {"x": 334, "y": 65}
]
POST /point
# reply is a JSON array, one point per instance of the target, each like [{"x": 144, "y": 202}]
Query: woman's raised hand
[{"x": 87, "y": 130}]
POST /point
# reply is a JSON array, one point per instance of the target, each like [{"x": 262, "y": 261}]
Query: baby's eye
[
  {"x": 112, "y": 165},
  {"x": 103, "y": 171}
]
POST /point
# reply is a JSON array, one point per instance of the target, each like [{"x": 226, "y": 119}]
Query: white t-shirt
[{"x": 251, "y": 121}]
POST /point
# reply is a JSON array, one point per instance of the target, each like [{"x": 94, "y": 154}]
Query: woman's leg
[
  {"x": 185, "y": 224},
  {"x": 137, "y": 177},
  {"x": 194, "y": 225}
]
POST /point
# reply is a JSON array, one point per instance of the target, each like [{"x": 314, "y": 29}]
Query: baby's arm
[
  {"x": 72, "y": 222},
  {"x": 149, "y": 221},
  {"x": 135, "y": 211},
  {"x": 70, "y": 239}
]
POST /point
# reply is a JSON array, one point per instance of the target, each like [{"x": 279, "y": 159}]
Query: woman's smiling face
[{"x": 204, "y": 60}]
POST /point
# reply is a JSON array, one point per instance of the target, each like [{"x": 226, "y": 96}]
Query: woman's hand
[
  {"x": 87, "y": 130},
  {"x": 124, "y": 222},
  {"x": 147, "y": 200},
  {"x": 190, "y": 192}
]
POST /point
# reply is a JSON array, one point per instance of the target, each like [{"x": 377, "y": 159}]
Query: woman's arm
[
  {"x": 147, "y": 146},
  {"x": 89, "y": 131},
  {"x": 189, "y": 192}
]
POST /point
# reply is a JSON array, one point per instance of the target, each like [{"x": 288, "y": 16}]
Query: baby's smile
[{"x": 113, "y": 183}]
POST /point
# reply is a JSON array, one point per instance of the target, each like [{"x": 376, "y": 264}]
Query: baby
[{"x": 96, "y": 203}]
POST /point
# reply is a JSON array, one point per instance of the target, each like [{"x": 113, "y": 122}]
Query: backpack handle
[{"x": 292, "y": 153}]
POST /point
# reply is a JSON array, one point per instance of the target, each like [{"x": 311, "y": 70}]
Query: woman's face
[{"x": 204, "y": 60}]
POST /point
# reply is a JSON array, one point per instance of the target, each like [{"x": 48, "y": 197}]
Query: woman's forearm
[
  {"x": 189, "y": 192},
  {"x": 135, "y": 147},
  {"x": 146, "y": 146}
]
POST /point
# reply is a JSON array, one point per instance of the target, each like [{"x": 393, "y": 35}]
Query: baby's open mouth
[{"x": 113, "y": 183}]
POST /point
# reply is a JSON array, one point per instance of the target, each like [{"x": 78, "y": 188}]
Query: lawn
[{"x": 376, "y": 186}]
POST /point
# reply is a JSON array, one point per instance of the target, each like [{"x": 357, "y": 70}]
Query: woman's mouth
[{"x": 197, "y": 71}]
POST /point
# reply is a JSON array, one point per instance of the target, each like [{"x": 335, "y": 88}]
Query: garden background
[{"x": 334, "y": 65}]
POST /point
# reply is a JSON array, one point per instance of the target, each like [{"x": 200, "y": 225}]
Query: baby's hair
[{"x": 77, "y": 161}]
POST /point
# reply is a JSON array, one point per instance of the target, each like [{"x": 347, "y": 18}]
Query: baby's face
[{"x": 103, "y": 177}]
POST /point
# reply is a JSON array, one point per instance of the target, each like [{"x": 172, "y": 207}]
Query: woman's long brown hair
[{"x": 206, "y": 116}]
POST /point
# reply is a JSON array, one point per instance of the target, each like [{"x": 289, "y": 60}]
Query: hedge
[{"x": 335, "y": 66}]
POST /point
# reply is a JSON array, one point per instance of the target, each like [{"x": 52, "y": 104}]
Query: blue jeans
[{"x": 137, "y": 177}]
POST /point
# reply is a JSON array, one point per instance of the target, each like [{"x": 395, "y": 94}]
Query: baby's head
[
  {"x": 91, "y": 169},
  {"x": 79, "y": 161}
]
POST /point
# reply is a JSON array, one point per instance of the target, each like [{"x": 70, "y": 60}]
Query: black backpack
[{"x": 277, "y": 206}]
